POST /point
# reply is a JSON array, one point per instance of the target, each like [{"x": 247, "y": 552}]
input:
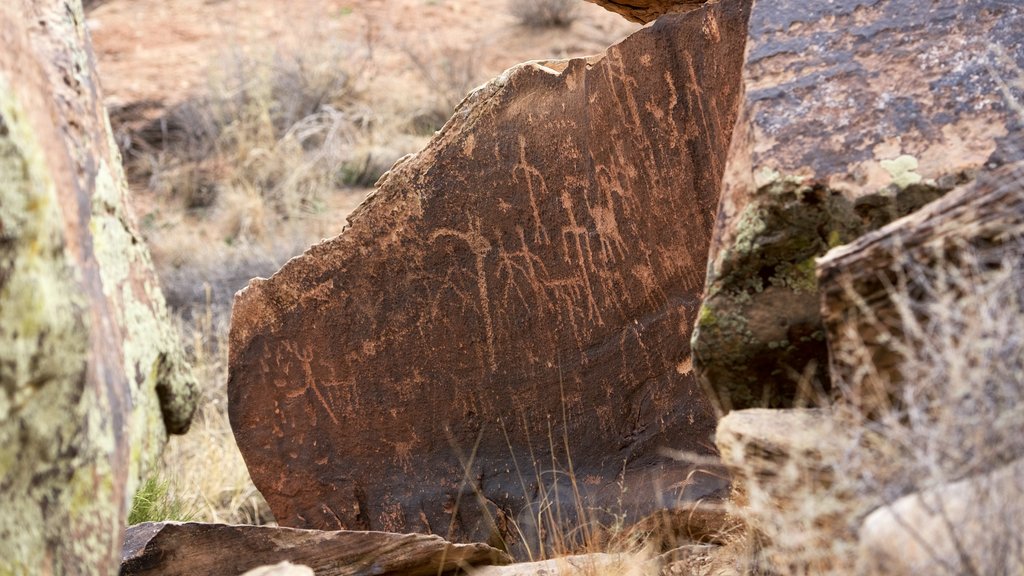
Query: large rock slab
[
  {"x": 973, "y": 526},
  {"x": 854, "y": 113},
  {"x": 91, "y": 374},
  {"x": 794, "y": 488},
  {"x": 645, "y": 11},
  {"x": 509, "y": 311},
  {"x": 188, "y": 549},
  {"x": 924, "y": 284}
]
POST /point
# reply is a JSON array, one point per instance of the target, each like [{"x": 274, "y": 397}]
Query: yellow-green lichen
[
  {"x": 799, "y": 277},
  {"x": 903, "y": 170},
  {"x": 43, "y": 343},
  {"x": 706, "y": 318},
  {"x": 160, "y": 382}
]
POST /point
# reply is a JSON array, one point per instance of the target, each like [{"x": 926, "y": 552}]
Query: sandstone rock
[
  {"x": 983, "y": 219},
  {"x": 281, "y": 569},
  {"x": 759, "y": 444},
  {"x": 786, "y": 488},
  {"x": 187, "y": 549},
  {"x": 975, "y": 526},
  {"x": 509, "y": 310},
  {"x": 92, "y": 375},
  {"x": 854, "y": 114},
  {"x": 645, "y": 11}
]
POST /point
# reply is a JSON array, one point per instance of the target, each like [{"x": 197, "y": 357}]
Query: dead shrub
[
  {"x": 280, "y": 124},
  {"x": 544, "y": 13},
  {"x": 450, "y": 73}
]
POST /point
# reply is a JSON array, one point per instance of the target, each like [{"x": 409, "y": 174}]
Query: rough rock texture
[
  {"x": 91, "y": 375},
  {"x": 974, "y": 526},
  {"x": 517, "y": 295},
  {"x": 756, "y": 444},
  {"x": 787, "y": 488},
  {"x": 859, "y": 304},
  {"x": 645, "y": 11},
  {"x": 854, "y": 113},
  {"x": 187, "y": 549}
]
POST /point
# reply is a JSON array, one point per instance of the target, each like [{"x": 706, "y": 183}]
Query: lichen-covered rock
[
  {"x": 91, "y": 374},
  {"x": 854, "y": 114},
  {"x": 509, "y": 310},
  {"x": 645, "y": 11}
]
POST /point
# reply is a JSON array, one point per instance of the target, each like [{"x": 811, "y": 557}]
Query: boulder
[
  {"x": 645, "y": 11},
  {"x": 187, "y": 549},
  {"x": 900, "y": 275},
  {"x": 792, "y": 487},
  {"x": 853, "y": 114},
  {"x": 498, "y": 340},
  {"x": 91, "y": 370},
  {"x": 974, "y": 526}
]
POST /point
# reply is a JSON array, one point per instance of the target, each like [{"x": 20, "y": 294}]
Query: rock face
[
  {"x": 185, "y": 549},
  {"x": 511, "y": 305},
  {"x": 973, "y": 526},
  {"x": 854, "y": 113},
  {"x": 91, "y": 373},
  {"x": 645, "y": 11}
]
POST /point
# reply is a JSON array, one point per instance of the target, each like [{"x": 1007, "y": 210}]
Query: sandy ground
[
  {"x": 161, "y": 50},
  {"x": 152, "y": 54}
]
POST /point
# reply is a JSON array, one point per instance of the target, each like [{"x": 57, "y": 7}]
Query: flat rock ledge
[{"x": 194, "y": 549}]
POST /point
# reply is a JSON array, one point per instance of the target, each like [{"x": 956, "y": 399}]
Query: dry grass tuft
[
  {"x": 544, "y": 13},
  {"x": 282, "y": 127}
]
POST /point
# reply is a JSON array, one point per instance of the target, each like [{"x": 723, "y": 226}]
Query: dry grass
[
  {"x": 957, "y": 413},
  {"x": 281, "y": 127}
]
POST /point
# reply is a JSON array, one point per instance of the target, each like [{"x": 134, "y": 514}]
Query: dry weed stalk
[{"x": 956, "y": 411}]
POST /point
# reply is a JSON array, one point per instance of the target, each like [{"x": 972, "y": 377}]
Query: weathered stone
[
  {"x": 854, "y": 113},
  {"x": 645, "y": 11},
  {"x": 975, "y": 526},
  {"x": 757, "y": 444},
  {"x": 91, "y": 374},
  {"x": 505, "y": 322},
  {"x": 186, "y": 549},
  {"x": 864, "y": 312},
  {"x": 786, "y": 488}
]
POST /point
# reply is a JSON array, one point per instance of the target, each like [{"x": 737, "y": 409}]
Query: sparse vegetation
[
  {"x": 544, "y": 13},
  {"x": 273, "y": 135},
  {"x": 957, "y": 413},
  {"x": 157, "y": 501},
  {"x": 281, "y": 127}
]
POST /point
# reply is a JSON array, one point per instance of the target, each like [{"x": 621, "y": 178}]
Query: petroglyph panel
[{"x": 518, "y": 294}]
